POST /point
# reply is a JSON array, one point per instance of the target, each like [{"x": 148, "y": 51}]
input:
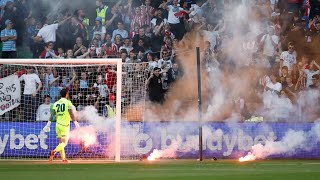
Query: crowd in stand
[{"x": 148, "y": 32}]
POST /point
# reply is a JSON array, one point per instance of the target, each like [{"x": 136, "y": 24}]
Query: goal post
[{"x": 121, "y": 69}]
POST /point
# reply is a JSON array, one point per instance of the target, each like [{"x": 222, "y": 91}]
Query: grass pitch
[{"x": 163, "y": 169}]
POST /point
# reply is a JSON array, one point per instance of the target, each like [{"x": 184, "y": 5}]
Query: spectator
[
  {"x": 3, "y": 4},
  {"x": 140, "y": 48},
  {"x": 141, "y": 36},
  {"x": 99, "y": 29},
  {"x": 84, "y": 24},
  {"x": 174, "y": 73},
  {"x": 148, "y": 11},
  {"x": 272, "y": 89},
  {"x": 117, "y": 43},
  {"x": 120, "y": 31},
  {"x": 49, "y": 52},
  {"x": 124, "y": 56},
  {"x": 273, "y": 85},
  {"x": 78, "y": 45},
  {"x": 10, "y": 12},
  {"x": 166, "y": 60},
  {"x": 288, "y": 58},
  {"x": 32, "y": 31},
  {"x": 158, "y": 18},
  {"x": 101, "y": 11},
  {"x": 284, "y": 73},
  {"x": 133, "y": 57},
  {"x": 290, "y": 89},
  {"x": 48, "y": 77},
  {"x": 152, "y": 62},
  {"x": 22, "y": 17},
  {"x": 125, "y": 15},
  {"x": 126, "y": 45},
  {"x": 270, "y": 43},
  {"x": 137, "y": 18},
  {"x": 315, "y": 82},
  {"x": 48, "y": 32},
  {"x": 30, "y": 97},
  {"x": 282, "y": 108},
  {"x": 54, "y": 90},
  {"x": 83, "y": 80},
  {"x": 77, "y": 95},
  {"x": 174, "y": 21},
  {"x": 154, "y": 85},
  {"x": 110, "y": 109},
  {"x": 112, "y": 18},
  {"x": 103, "y": 92},
  {"x": 43, "y": 112},
  {"x": 310, "y": 72},
  {"x": 9, "y": 37}
]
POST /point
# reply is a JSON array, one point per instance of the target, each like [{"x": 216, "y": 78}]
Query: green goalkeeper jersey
[{"x": 61, "y": 109}]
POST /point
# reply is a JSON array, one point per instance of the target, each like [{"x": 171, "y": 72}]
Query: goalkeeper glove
[
  {"x": 76, "y": 124},
  {"x": 47, "y": 127}
]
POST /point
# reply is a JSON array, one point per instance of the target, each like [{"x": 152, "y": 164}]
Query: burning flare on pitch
[
  {"x": 156, "y": 154},
  {"x": 249, "y": 157},
  {"x": 84, "y": 135}
]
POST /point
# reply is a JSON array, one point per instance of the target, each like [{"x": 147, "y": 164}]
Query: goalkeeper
[{"x": 62, "y": 109}]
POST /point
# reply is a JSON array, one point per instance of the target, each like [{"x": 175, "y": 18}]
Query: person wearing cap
[
  {"x": 109, "y": 110},
  {"x": 43, "y": 112},
  {"x": 9, "y": 37},
  {"x": 99, "y": 29},
  {"x": 101, "y": 11},
  {"x": 154, "y": 85}
]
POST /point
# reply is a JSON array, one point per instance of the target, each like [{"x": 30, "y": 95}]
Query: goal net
[{"x": 107, "y": 97}]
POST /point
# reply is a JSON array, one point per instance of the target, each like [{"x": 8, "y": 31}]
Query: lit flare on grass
[
  {"x": 156, "y": 154},
  {"x": 89, "y": 139},
  {"x": 84, "y": 135},
  {"x": 249, "y": 157}
]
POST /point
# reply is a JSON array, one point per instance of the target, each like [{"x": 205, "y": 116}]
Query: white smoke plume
[{"x": 292, "y": 142}]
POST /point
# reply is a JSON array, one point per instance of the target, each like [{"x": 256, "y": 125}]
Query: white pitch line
[
  {"x": 288, "y": 164},
  {"x": 311, "y": 163}
]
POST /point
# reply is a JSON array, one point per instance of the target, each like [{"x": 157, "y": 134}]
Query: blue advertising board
[{"x": 221, "y": 140}]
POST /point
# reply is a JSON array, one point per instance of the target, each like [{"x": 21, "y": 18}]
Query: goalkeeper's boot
[
  {"x": 51, "y": 156},
  {"x": 66, "y": 161}
]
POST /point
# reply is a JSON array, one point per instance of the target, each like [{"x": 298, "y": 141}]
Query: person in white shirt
[
  {"x": 272, "y": 89},
  {"x": 177, "y": 27},
  {"x": 127, "y": 45},
  {"x": 166, "y": 61},
  {"x": 102, "y": 88},
  {"x": 30, "y": 98},
  {"x": 43, "y": 112},
  {"x": 48, "y": 32},
  {"x": 270, "y": 41},
  {"x": 288, "y": 58},
  {"x": 281, "y": 108},
  {"x": 311, "y": 72}
]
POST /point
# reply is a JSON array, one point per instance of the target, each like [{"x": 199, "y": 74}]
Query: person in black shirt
[
  {"x": 154, "y": 85},
  {"x": 315, "y": 82}
]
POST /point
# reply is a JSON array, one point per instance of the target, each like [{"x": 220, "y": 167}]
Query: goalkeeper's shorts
[{"x": 62, "y": 131}]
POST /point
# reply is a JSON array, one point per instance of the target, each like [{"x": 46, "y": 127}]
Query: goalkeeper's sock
[
  {"x": 59, "y": 147},
  {"x": 63, "y": 154}
]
